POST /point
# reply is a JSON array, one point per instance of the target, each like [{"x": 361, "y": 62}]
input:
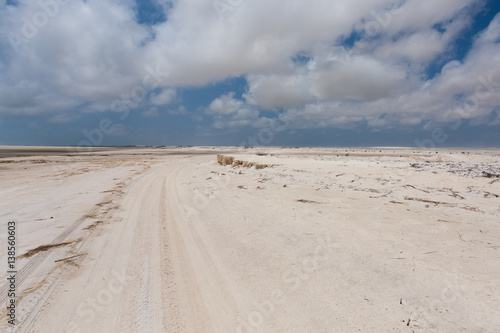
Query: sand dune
[{"x": 277, "y": 240}]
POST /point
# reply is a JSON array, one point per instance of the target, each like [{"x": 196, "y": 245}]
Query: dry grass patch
[
  {"x": 309, "y": 201},
  {"x": 229, "y": 160},
  {"x": 93, "y": 225},
  {"x": 225, "y": 160},
  {"x": 262, "y": 166},
  {"x": 43, "y": 248}
]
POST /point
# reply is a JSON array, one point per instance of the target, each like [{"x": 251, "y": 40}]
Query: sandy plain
[{"x": 310, "y": 240}]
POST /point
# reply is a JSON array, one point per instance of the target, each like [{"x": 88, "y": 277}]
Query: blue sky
[{"x": 203, "y": 72}]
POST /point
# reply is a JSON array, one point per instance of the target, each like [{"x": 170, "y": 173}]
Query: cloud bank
[{"x": 317, "y": 63}]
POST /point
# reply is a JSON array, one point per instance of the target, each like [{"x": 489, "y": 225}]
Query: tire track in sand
[{"x": 208, "y": 294}]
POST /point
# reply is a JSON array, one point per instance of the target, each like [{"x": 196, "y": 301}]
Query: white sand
[{"x": 167, "y": 240}]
